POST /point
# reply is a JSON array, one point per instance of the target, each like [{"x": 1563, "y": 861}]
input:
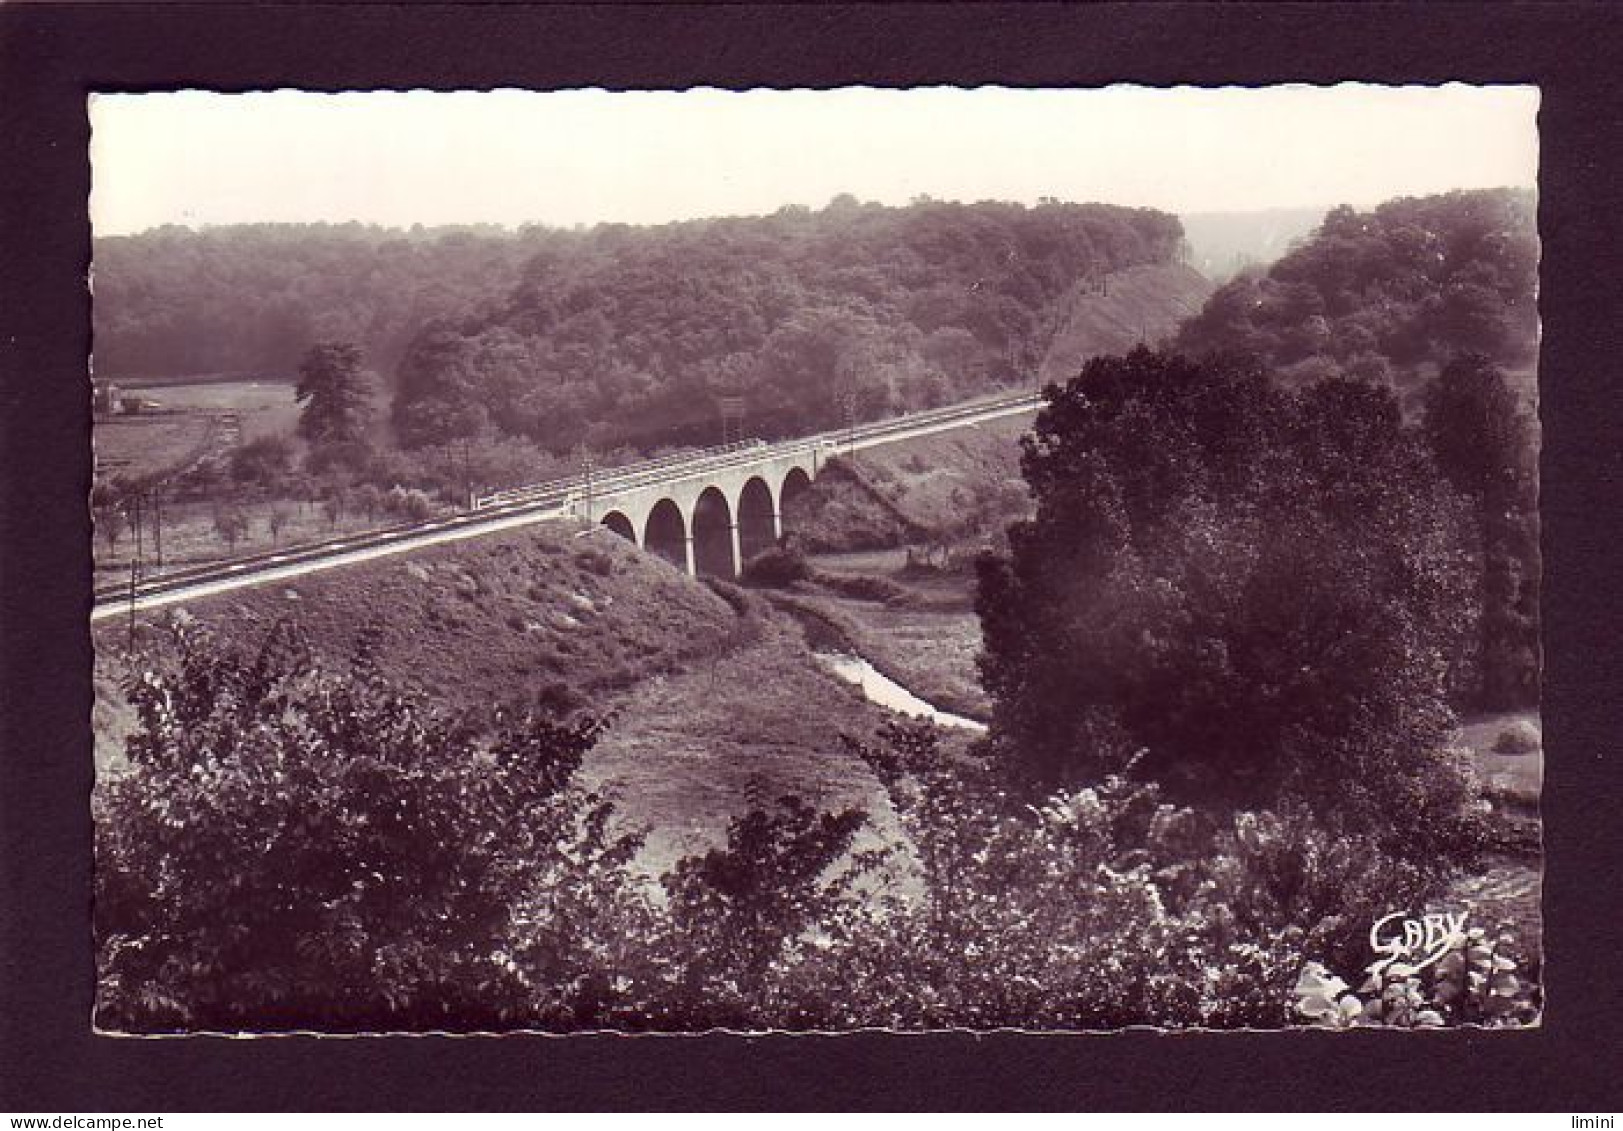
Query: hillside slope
[
  {"x": 800, "y": 319},
  {"x": 1141, "y": 304},
  {"x": 915, "y": 490},
  {"x": 714, "y": 705},
  {"x": 536, "y": 610}
]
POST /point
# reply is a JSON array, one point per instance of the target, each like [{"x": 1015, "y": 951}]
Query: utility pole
[
  {"x": 131, "y": 647},
  {"x": 590, "y": 467},
  {"x": 135, "y": 512},
  {"x": 157, "y": 527},
  {"x": 848, "y": 401},
  {"x": 467, "y": 474}
]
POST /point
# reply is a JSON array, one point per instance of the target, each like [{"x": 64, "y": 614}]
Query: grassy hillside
[
  {"x": 537, "y": 611},
  {"x": 1140, "y": 304},
  {"x": 716, "y": 704},
  {"x": 691, "y": 750},
  {"x": 914, "y": 490}
]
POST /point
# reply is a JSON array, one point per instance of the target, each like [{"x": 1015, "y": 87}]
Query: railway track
[{"x": 519, "y": 506}]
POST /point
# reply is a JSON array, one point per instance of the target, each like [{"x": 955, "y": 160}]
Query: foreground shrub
[
  {"x": 748, "y": 922},
  {"x": 1104, "y": 906},
  {"x": 1520, "y": 737},
  {"x": 1478, "y": 981},
  {"x": 294, "y": 847},
  {"x": 297, "y": 846},
  {"x": 778, "y": 567},
  {"x": 862, "y": 587}
]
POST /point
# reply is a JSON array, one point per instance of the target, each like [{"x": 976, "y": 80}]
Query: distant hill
[
  {"x": 1391, "y": 295},
  {"x": 637, "y": 336},
  {"x": 1222, "y": 244},
  {"x": 1141, "y": 304},
  {"x": 620, "y": 335},
  {"x": 247, "y": 300}
]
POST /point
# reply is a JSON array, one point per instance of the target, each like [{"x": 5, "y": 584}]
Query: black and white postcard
[{"x": 914, "y": 559}]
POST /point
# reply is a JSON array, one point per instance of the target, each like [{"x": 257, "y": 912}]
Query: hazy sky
[{"x": 516, "y": 157}]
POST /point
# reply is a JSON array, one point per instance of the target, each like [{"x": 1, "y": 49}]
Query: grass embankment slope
[
  {"x": 905, "y": 492},
  {"x": 1142, "y": 304},
  {"x": 716, "y": 704}
]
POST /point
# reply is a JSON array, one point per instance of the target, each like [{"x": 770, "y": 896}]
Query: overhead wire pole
[
  {"x": 589, "y": 469},
  {"x": 848, "y": 399},
  {"x": 157, "y": 527}
]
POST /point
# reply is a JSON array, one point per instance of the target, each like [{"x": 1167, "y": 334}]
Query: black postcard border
[{"x": 51, "y": 55}]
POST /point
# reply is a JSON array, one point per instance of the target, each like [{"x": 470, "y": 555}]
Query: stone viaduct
[{"x": 712, "y": 521}]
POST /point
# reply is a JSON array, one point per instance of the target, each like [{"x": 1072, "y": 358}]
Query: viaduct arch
[{"x": 713, "y": 522}]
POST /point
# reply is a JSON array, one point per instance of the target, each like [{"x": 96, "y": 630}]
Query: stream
[{"x": 880, "y": 688}]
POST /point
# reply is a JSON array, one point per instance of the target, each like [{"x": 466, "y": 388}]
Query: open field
[
  {"x": 148, "y": 443},
  {"x": 1517, "y": 777},
  {"x": 190, "y": 536},
  {"x": 264, "y": 406}
]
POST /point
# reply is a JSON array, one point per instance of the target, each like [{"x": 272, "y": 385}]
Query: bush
[
  {"x": 265, "y": 461},
  {"x": 778, "y": 567},
  {"x": 862, "y": 587},
  {"x": 748, "y": 921},
  {"x": 277, "y": 518},
  {"x": 737, "y": 599},
  {"x": 304, "y": 847},
  {"x": 408, "y": 503},
  {"x": 1478, "y": 981},
  {"x": 1100, "y": 907},
  {"x": 594, "y": 561},
  {"x": 1520, "y": 737},
  {"x": 301, "y": 848},
  {"x": 230, "y": 524}
]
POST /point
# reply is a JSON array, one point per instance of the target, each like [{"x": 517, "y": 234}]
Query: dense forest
[
  {"x": 250, "y": 299},
  {"x": 629, "y": 335},
  {"x": 1390, "y": 295}
]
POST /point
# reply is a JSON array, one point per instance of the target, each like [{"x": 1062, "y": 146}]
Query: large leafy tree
[
  {"x": 1484, "y": 444},
  {"x": 336, "y": 392},
  {"x": 1242, "y": 591}
]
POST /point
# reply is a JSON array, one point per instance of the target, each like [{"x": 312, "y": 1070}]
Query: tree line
[
  {"x": 627, "y": 335},
  {"x": 1390, "y": 295},
  {"x": 249, "y": 300}
]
